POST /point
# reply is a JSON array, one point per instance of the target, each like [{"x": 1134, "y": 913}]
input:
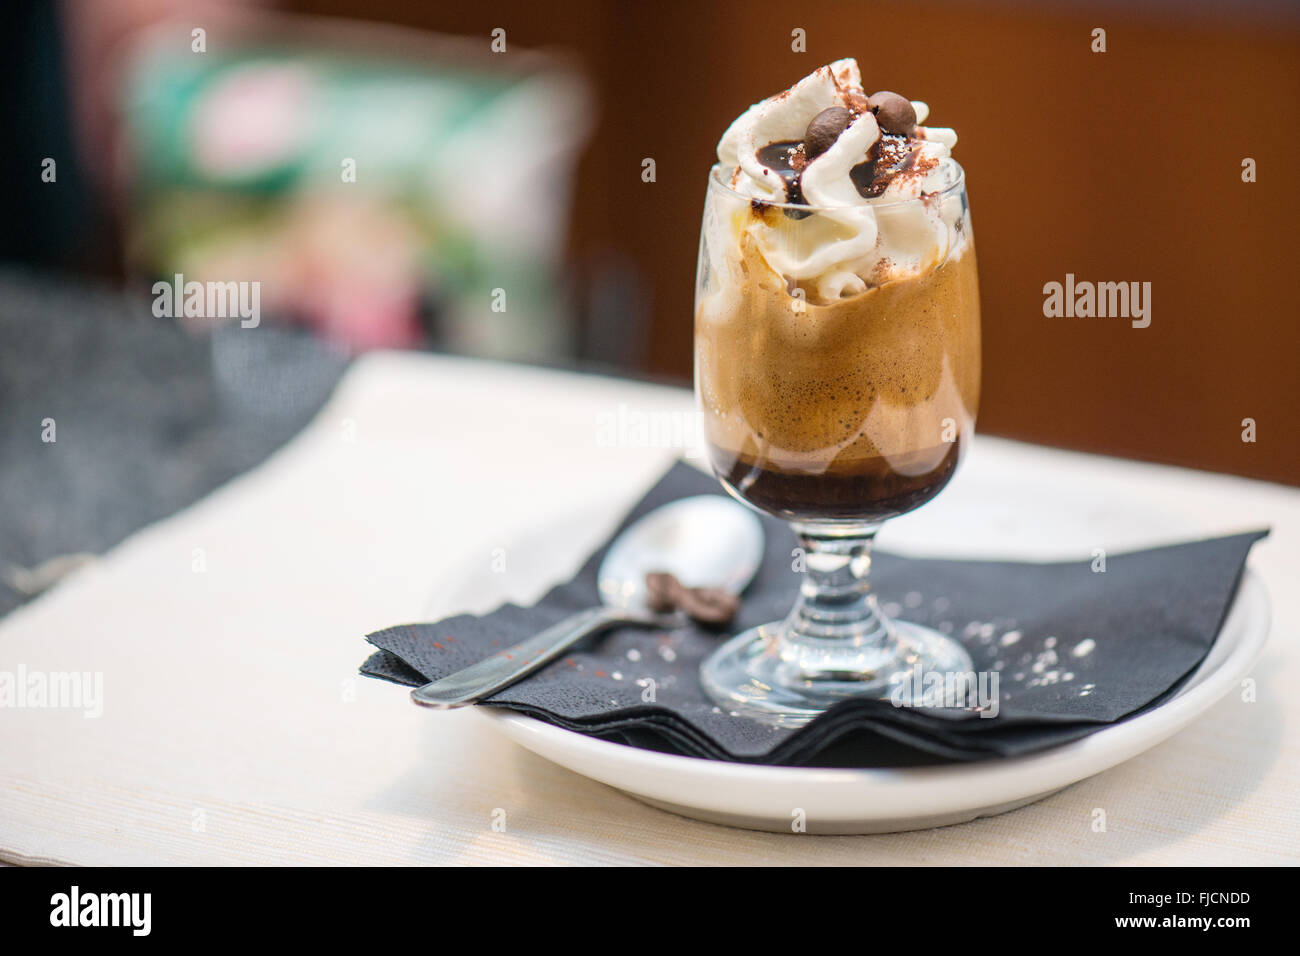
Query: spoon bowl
[{"x": 706, "y": 541}]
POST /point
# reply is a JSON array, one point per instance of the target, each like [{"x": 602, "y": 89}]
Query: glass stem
[{"x": 835, "y": 603}]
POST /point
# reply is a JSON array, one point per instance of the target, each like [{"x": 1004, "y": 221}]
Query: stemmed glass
[{"x": 837, "y": 370}]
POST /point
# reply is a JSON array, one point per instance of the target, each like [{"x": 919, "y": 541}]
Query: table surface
[{"x": 235, "y": 729}]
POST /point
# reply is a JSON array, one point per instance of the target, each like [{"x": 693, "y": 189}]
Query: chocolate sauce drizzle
[
  {"x": 890, "y": 156},
  {"x": 786, "y": 158}
]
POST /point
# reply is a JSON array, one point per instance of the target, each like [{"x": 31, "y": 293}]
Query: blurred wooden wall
[{"x": 1115, "y": 166}]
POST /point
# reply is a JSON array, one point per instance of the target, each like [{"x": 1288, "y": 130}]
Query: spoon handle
[{"x": 503, "y": 668}]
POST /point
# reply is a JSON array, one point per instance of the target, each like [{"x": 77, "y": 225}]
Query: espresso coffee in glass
[{"x": 837, "y": 369}]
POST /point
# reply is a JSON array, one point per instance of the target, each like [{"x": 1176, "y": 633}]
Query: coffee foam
[{"x": 832, "y": 386}]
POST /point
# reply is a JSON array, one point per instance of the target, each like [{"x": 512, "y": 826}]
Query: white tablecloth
[{"x": 235, "y": 728}]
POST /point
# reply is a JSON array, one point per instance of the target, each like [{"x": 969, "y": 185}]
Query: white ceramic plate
[
  {"x": 880, "y": 800},
  {"x": 883, "y": 801}
]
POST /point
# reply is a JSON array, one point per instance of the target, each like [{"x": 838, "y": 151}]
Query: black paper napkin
[{"x": 1074, "y": 649}]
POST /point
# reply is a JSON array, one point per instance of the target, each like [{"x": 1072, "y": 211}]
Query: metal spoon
[{"x": 706, "y": 541}]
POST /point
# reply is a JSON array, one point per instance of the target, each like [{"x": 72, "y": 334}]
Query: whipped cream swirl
[{"x": 862, "y": 235}]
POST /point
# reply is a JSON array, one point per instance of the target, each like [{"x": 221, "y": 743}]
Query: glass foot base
[{"x": 758, "y": 675}]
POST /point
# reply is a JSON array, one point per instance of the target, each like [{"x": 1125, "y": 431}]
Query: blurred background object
[
  {"x": 381, "y": 186},
  {"x": 111, "y": 419},
  {"x": 473, "y": 176}
]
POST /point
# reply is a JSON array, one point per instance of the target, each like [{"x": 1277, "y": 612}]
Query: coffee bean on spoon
[
  {"x": 705, "y": 605},
  {"x": 710, "y": 605},
  {"x": 825, "y": 129},
  {"x": 894, "y": 113},
  {"x": 662, "y": 590}
]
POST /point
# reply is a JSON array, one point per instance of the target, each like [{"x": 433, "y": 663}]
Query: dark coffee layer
[{"x": 868, "y": 490}]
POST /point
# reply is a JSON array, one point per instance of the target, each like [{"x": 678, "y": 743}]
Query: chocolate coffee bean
[
  {"x": 706, "y": 605},
  {"x": 662, "y": 591},
  {"x": 894, "y": 113},
  {"x": 825, "y": 129},
  {"x": 710, "y": 605}
]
